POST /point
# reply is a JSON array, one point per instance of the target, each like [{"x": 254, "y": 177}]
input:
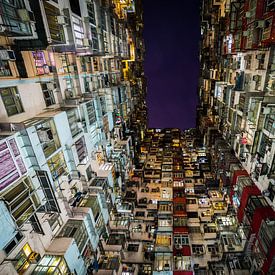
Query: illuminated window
[
  {"x": 57, "y": 165},
  {"x": 5, "y": 68},
  {"x": 11, "y": 100}
]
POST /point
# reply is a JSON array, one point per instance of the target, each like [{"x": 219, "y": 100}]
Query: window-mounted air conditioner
[
  {"x": 245, "y": 33},
  {"x": 260, "y": 24},
  {"x": 87, "y": 42},
  {"x": 61, "y": 20},
  {"x": 266, "y": 110}
]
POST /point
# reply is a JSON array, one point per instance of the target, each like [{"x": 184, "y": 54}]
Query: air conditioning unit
[
  {"x": 248, "y": 14},
  {"x": 50, "y": 86},
  {"x": 87, "y": 42},
  {"x": 266, "y": 110},
  {"x": 245, "y": 33},
  {"x": 260, "y": 24},
  {"x": 259, "y": 56},
  {"x": 11, "y": 55},
  {"x": 61, "y": 20}
]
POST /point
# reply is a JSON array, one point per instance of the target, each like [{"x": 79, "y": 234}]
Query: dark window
[
  {"x": 75, "y": 7},
  {"x": 48, "y": 95},
  {"x": 11, "y": 100}
]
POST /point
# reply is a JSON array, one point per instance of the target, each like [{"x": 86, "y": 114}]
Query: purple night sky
[{"x": 172, "y": 33}]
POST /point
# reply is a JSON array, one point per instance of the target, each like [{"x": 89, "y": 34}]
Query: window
[
  {"x": 91, "y": 112},
  {"x": 95, "y": 43},
  {"x": 78, "y": 30},
  {"x": 20, "y": 203},
  {"x": 55, "y": 221},
  {"x": 40, "y": 63},
  {"x": 181, "y": 240},
  {"x": 48, "y": 137},
  {"x": 56, "y": 30},
  {"x": 81, "y": 149},
  {"x": 48, "y": 94},
  {"x": 11, "y": 100},
  {"x": 57, "y": 165},
  {"x": 50, "y": 264},
  {"x": 270, "y": 5},
  {"x": 261, "y": 60},
  {"x": 248, "y": 59},
  {"x": 91, "y": 12},
  {"x": 197, "y": 248},
  {"x": 269, "y": 124},
  {"x": 13, "y": 243},
  {"x": 133, "y": 247},
  {"x": 22, "y": 258},
  {"x": 163, "y": 240},
  {"x": 75, "y": 229},
  {"x": 180, "y": 221},
  {"x": 11, "y": 18},
  {"x": 194, "y": 229},
  {"x": 264, "y": 144},
  {"x": 73, "y": 118},
  {"x": 5, "y": 68}
]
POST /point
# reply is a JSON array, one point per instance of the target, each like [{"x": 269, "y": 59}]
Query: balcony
[
  {"x": 231, "y": 242},
  {"x": 108, "y": 264},
  {"x": 220, "y": 207}
]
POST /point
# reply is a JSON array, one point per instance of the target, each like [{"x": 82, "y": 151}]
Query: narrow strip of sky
[{"x": 172, "y": 34}]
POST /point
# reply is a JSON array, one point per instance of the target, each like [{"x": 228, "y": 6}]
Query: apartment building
[
  {"x": 68, "y": 127},
  {"x": 236, "y": 114}
]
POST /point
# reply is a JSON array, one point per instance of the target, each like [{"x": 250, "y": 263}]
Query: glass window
[
  {"x": 19, "y": 201},
  {"x": 5, "y": 68},
  {"x": 48, "y": 95},
  {"x": 181, "y": 240},
  {"x": 48, "y": 137},
  {"x": 81, "y": 149},
  {"x": 40, "y": 63},
  {"x": 91, "y": 112},
  {"x": 264, "y": 144},
  {"x": 11, "y": 100},
  {"x": 56, "y": 30},
  {"x": 57, "y": 165},
  {"x": 270, "y": 122}
]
